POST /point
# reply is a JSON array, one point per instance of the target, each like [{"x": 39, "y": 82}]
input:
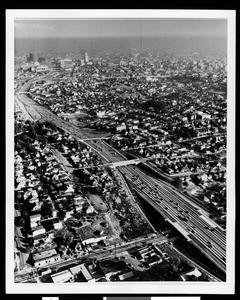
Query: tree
[
  {"x": 63, "y": 237},
  {"x": 22, "y": 222},
  {"x": 46, "y": 278},
  {"x": 195, "y": 179},
  {"x": 46, "y": 210}
]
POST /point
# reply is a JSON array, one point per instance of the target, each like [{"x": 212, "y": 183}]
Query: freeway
[
  {"x": 187, "y": 217},
  {"x": 189, "y": 220},
  {"x": 174, "y": 206}
]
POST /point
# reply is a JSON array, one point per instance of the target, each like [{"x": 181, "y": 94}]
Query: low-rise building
[
  {"x": 84, "y": 271},
  {"x": 193, "y": 271},
  {"x": 38, "y": 230},
  {"x": 126, "y": 275},
  {"x": 61, "y": 277},
  {"x": 45, "y": 258}
]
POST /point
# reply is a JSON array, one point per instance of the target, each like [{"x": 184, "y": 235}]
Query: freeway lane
[
  {"x": 209, "y": 239},
  {"x": 173, "y": 205}
]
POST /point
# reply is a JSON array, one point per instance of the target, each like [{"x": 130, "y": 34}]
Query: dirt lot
[{"x": 99, "y": 204}]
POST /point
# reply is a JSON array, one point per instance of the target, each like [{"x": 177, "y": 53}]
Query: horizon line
[{"x": 124, "y": 36}]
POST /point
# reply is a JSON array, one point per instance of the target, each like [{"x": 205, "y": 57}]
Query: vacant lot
[{"x": 98, "y": 202}]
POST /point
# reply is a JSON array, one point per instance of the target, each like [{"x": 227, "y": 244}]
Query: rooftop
[{"x": 44, "y": 254}]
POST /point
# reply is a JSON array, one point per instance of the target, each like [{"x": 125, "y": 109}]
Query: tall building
[
  {"x": 66, "y": 63},
  {"x": 86, "y": 58},
  {"x": 32, "y": 57}
]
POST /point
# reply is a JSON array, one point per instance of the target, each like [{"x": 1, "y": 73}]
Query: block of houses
[{"x": 45, "y": 258}]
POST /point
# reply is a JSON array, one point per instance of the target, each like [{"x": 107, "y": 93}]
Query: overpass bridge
[
  {"x": 126, "y": 162},
  {"x": 95, "y": 138},
  {"x": 121, "y": 163}
]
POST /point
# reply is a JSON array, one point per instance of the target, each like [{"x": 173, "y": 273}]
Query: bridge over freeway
[{"x": 119, "y": 163}]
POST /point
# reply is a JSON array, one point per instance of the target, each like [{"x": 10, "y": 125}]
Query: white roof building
[
  {"x": 62, "y": 277},
  {"x": 194, "y": 272},
  {"x": 82, "y": 268},
  {"x": 57, "y": 225}
]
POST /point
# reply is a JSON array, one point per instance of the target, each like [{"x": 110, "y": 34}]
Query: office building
[
  {"x": 66, "y": 63},
  {"x": 32, "y": 57},
  {"x": 86, "y": 58}
]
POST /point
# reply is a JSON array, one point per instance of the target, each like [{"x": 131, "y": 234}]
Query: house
[
  {"x": 121, "y": 127},
  {"x": 54, "y": 213},
  {"x": 38, "y": 230},
  {"x": 35, "y": 219},
  {"x": 90, "y": 209},
  {"x": 58, "y": 225},
  {"x": 48, "y": 271},
  {"x": 69, "y": 190},
  {"x": 38, "y": 238},
  {"x": 78, "y": 202},
  {"x": 63, "y": 276},
  {"x": 68, "y": 214},
  {"x": 203, "y": 115},
  {"x": 36, "y": 208},
  {"x": 45, "y": 258}
]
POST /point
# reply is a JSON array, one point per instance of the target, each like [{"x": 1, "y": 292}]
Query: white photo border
[{"x": 126, "y": 287}]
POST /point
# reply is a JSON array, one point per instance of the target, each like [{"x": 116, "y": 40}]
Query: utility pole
[{"x": 114, "y": 248}]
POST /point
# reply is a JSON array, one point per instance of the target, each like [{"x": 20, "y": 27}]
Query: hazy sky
[{"x": 105, "y": 28}]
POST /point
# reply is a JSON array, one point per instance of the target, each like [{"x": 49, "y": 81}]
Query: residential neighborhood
[{"x": 120, "y": 161}]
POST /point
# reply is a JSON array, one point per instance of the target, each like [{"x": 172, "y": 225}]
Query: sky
[{"x": 50, "y": 28}]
